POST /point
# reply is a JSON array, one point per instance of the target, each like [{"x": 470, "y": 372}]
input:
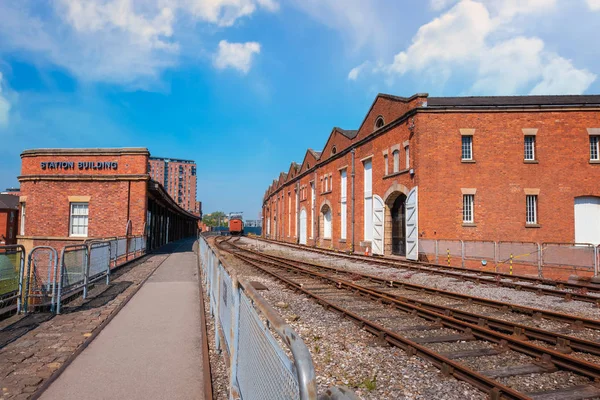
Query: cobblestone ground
[{"x": 29, "y": 359}]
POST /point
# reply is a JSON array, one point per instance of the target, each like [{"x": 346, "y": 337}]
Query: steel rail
[
  {"x": 494, "y": 278},
  {"x": 564, "y": 343},
  {"x": 535, "y": 312},
  {"x": 494, "y": 389},
  {"x": 557, "y": 358}
]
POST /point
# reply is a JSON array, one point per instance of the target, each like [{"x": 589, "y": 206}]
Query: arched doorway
[
  {"x": 303, "y": 226},
  {"x": 398, "y": 214}
]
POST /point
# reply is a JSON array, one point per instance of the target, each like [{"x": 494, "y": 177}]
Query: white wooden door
[
  {"x": 303, "y": 226},
  {"x": 378, "y": 231},
  {"x": 412, "y": 225},
  {"x": 587, "y": 220}
]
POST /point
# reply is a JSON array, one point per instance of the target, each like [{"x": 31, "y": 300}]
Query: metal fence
[
  {"x": 540, "y": 257},
  {"x": 50, "y": 279},
  {"x": 12, "y": 263},
  {"x": 260, "y": 366},
  {"x": 40, "y": 278}
]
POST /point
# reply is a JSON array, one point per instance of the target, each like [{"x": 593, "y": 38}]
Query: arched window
[
  {"x": 333, "y": 150},
  {"x": 396, "y": 155},
  {"x": 379, "y": 122}
]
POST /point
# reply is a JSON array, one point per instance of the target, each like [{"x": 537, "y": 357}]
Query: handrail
[{"x": 302, "y": 359}]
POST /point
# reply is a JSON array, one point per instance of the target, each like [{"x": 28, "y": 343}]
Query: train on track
[{"x": 236, "y": 224}]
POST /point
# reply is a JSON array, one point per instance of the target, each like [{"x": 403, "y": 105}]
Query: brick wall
[
  {"x": 114, "y": 196},
  {"x": 499, "y": 174},
  {"x": 8, "y": 228}
]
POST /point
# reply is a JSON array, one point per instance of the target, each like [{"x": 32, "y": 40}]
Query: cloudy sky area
[{"x": 245, "y": 86}]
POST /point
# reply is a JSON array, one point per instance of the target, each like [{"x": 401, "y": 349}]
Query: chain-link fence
[
  {"x": 12, "y": 262},
  {"x": 267, "y": 359}
]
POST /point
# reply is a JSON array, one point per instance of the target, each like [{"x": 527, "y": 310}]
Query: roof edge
[{"x": 86, "y": 151}]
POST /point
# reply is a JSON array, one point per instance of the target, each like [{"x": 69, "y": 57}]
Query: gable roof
[
  {"x": 293, "y": 170},
  {"x": 390, "y": 99},
  {"x": 316, "y": 154},
  {"x": 350, "y": 134}
]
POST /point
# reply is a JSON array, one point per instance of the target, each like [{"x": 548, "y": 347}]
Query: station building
[
  {"x": 69, "y": 196},
  {"x": 516, "y": 168}
]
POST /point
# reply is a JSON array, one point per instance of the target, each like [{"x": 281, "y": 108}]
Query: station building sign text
[{"x": 81, "y": 165}]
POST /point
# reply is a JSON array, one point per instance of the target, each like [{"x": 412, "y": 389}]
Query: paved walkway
[{"x": 151, "y": 349}]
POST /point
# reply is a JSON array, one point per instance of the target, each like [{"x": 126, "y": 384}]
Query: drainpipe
[
  {"x": 297, "y": 230},
  {"x": 315, "y": 214},
  {"x": 352, "y": 193}
]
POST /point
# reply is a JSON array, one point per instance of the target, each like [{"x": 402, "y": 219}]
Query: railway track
[
  {"x": 442, "y": 335},
  {"x": 589, "y": 293}
]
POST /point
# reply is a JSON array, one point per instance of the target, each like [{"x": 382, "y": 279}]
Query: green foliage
[
  {"x": 217, "y": 218},
  {"x": 369, "y": 384}
]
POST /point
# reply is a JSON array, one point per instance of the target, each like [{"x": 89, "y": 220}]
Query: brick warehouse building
[
  {"x": 519, "y": 168},
  {"x": 178, "y": 177},
  {"x": 71, "y": 195}
]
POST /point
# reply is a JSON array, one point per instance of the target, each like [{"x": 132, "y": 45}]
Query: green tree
[{"x": 217, "y": 218}]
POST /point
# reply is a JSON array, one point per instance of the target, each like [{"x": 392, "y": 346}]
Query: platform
[{"x": 152, "y": 349}]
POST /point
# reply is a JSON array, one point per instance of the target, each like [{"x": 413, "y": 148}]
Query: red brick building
[
  {"x": 178, "y": 177},
  {"x": 9, "y": 221},
  {"x": 520, "y": 168},
  {"x": 71, "y": 195}
]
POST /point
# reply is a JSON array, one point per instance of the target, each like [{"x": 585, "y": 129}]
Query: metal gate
[
  {"x": 40, "y": 279},
  {"x": 12, "y": 262},
  {"x": 412, "y": 225},
  {"x": 378, "y": 230}
]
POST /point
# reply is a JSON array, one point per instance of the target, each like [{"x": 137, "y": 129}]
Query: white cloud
[
  {"x": 480, "y": 40},
  {"x": 360, "y": 21},
  {"x": 4, "y": 105},
  {"x": 236, "y": 55},
  {"x": 559, "y": 76},
  {"x": 117, "y": 41},
  {"x": 508, "y": 66},
  {"x": 356, "y": 71},
  {"x": 458, "y": 35},
  {"x": 594, "y": 5},
  {"x": 437, "y": 5},
  {"x": 222, "y": 12}
]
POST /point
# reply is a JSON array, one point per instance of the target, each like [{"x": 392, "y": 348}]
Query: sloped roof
[
  {"x": 508, "y": 101},
  {"x": 350, "y": 134},
  {"x": 9, "y": 201},
  {"x": 316, "y": 154}
]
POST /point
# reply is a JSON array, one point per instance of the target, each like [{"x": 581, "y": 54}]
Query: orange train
[{"x": 236, "y": 224}]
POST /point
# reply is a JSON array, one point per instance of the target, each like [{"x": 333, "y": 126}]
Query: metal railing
[
  {"x": 12, "y": 263},
  {"x": 539, "y": 257},
  {"x": 261, "y": 367},
  {"x": 50, "y": 279},
  {"x": 40, "y": 278}
]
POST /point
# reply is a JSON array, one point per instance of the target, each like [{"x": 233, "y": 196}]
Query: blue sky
[{"x": 244, "y": 87}]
